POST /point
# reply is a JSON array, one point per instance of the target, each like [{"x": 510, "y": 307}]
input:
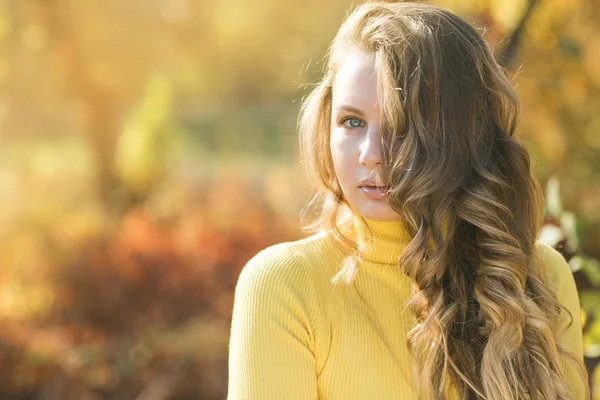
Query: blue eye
[{"x": 354, "y": 122}]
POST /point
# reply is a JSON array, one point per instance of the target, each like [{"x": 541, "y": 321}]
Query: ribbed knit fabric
[{"x": 294, "y": 335}]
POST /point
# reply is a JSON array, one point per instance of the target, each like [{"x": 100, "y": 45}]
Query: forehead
[{"x": 355, "y": 82}]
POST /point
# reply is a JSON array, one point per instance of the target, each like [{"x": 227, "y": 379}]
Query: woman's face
[{"x": 355, "y": 140}]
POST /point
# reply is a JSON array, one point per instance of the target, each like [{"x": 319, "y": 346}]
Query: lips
[
  {"x": 372, "y": 183},
  {"x": 374, "y": 192}
]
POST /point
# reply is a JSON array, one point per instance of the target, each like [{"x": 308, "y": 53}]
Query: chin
[{"x": 378, "y": 212}]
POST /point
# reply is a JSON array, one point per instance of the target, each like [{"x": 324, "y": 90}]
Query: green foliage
[{"x": 145, "y": 145}]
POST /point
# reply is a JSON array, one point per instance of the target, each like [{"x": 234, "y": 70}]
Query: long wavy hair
[{"x": 487, "y": 316}]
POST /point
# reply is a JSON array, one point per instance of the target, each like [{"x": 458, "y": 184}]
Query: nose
[{"x": 371, "y": 149}]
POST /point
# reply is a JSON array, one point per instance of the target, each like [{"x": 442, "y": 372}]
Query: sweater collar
[{"x": 380, "y": 242}]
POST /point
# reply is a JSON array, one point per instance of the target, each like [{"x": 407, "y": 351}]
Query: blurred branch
[
  {"x": 100, "y": 106},
  {"x": 506, "y": 56}
]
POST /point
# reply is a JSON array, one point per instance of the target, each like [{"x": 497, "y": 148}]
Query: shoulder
[
  {"x": 556, "y": 265},
  {"x": 289, "y": 264},
  {"x": 275, "y": 264},
  {"x": 570, "y": 333},
  {"x": 560, "y": 276}
]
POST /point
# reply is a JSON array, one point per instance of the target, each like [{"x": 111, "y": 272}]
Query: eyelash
[{"x": 351, "y": 127}]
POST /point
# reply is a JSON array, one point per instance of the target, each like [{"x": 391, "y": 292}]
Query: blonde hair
[{"x": 462, "y": 184}]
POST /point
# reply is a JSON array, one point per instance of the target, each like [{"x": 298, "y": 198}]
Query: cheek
[
  {"x": 336, "y": 149},
  {"x": 342, "y": 145},
  {"x": 342, "y": 153}
]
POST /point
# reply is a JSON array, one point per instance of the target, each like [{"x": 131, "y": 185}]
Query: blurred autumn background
[{"x": 148, "y": 150}]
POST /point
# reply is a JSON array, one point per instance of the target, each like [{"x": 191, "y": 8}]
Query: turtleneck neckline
[{"x": 380, "y": 242}]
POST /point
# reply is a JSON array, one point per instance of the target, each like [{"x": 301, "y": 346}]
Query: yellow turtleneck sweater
[{"x": 296, "y": 336}]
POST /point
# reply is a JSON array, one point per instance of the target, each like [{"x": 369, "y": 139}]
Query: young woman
[{"x": 424, "y": 278}]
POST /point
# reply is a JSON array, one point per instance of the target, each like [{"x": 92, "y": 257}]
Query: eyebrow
[{"x": 352, "y": 110}]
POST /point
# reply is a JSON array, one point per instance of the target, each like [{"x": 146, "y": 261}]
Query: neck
[{"x": 380, "y": 242}]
